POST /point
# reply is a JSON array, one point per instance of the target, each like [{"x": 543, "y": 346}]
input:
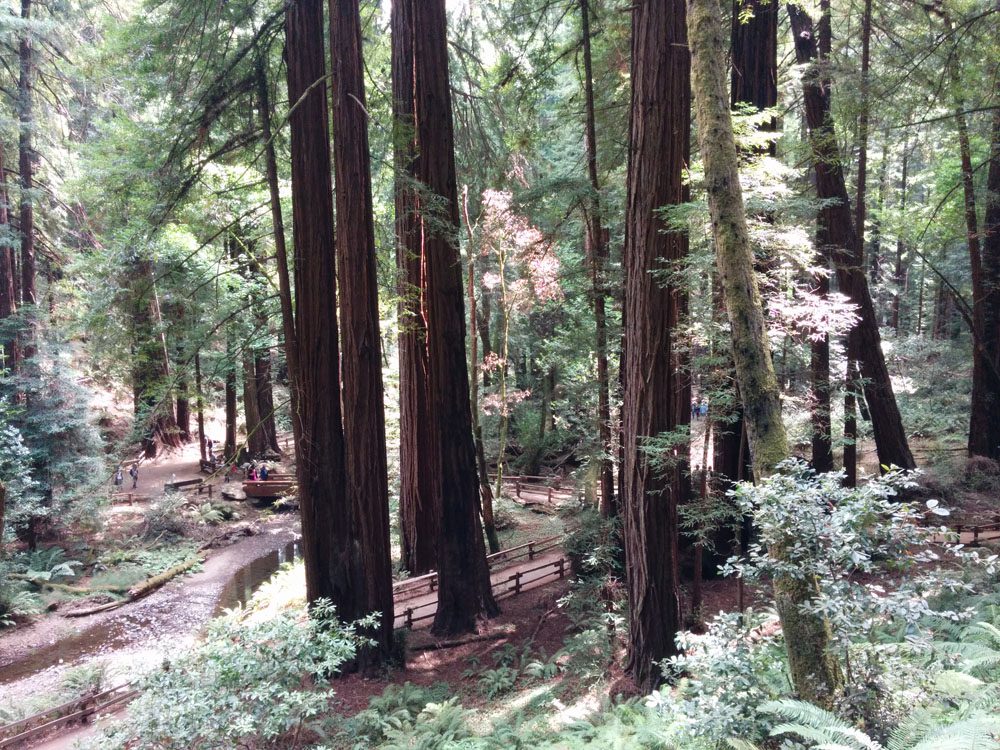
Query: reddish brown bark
[
  {"x": 280, "y": 250},
  {"x": 866, "y": 342},
  {"x": 364, "y": 415},
  {"x": 419, "y": 513},
  {"x": 754, "y": 48},
  {"x": 328, "y": 542},
  {"x": 659, "y": 142},
  {"x": 465, "y": 591}
]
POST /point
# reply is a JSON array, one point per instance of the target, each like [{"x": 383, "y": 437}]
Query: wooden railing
[
  {"x": 427, "y": 583},
  {"x": 78, "y": 711}
]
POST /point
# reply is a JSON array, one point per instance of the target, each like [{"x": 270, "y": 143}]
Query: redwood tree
[
  {"x": 419, "y": 513},
  {"x": 364, "y": 415},
  {"x": 597, "y": 254},
  {"x": 841, "y": 238},
  {"x": 658, "y": 149},
  {"x": 463, "y": 574},
  {"x": 329, "y": 551},
  {"x": 8, "y": 288}
]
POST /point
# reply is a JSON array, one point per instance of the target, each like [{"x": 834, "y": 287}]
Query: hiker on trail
[
  {"x": 263, "y": 473},
  {"x": 694, "y": 408},
  {"x": 210, "y": 446},
  {"x": 134, "y": 473},
  {"x": 703, "y": 409},
  {"x": 252, "y": 475},
  {"x": 119, "y": 477}
]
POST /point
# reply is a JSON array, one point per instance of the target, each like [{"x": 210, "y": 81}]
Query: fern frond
[
  {"x": 818, "y": 725},
  {"x": 736, "y": 743},
  {"x": 976, "y": 733}
]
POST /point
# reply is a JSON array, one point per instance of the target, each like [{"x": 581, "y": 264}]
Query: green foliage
[
  {"x": 594, "y": 544},
  {"x": 256, "y": 681}
]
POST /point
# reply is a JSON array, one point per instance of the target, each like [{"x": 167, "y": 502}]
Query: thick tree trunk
[
  {"x": 280, "y": 249},
  {"x": 364, "y": 415},
  {"x": 465, "y": 591},
  {"x": 984, "y": 431},
  {"x": 851, "y": 424},
  {"x": 754, "y": 47},
  {"x": 329, "y": 544},
  {"x": 597, "y": 252},
  {"x": 183, "y": 410},
  {"x": 658, "y": 150},
  {"x": 866, "y": 342},
  {"x": 815, "y": 674},
  {"x": 419, "y": 512}
]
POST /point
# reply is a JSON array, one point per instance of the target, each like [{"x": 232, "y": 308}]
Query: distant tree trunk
[
  {"x": 265, "y": 399},
  {"x": 183, "y": 410},
  {"x": 364, "y": 415},
  {"x": 598, "y": 255},
  {"x": 200, "y": 406},
  {"x": 822, "y": 444},
  {"x": 328, "y": 529},
  {"x": 815, "y": 673},
  {"x": 26, "y": 95},
  {"x": 229, "y": 447},
  {"x": 280, "y": 250},
  {"x": 990, "y": 340},
  {"x": 485, "y": 491},
  {"x": 659, "y": 142},
  {"x": 150, "y": 364},
  {"x": 256, "y": 439},
  {"x": 3, "y": 514},
  {"x": 899, "y": 270},
  {"x": 754, "y": 47},
  {"x": 419, "y": 511},
  {"x": 851, "y": 423},
  {"x": 483, "y": 317},
  {"x": 866, "y": 342},
  {"x": 465, "y": 591},
  {"x": 8, "y": 287}
]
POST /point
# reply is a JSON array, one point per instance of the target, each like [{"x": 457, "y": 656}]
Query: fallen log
[
  {"x": 143, "y": 589},
  {"x": 69, "y": 589}
]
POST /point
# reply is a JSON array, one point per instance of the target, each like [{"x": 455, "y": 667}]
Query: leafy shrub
[
  {"x": 594, "y": 544},
  {"x": 250, "y": 684},
  {"x": 164, "y": 518}
]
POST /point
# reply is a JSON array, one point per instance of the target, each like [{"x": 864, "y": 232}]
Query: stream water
[{"x": 151, "y": 629}]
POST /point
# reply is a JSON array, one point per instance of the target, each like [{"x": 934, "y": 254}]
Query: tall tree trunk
[
  {"x": 280, "y": 249},
  {"x": 463, "y": 574},
  {"x": 990, "y": 340},
  {"x": 658, "y": 149},
  {"x": 485, "y": 491},
  {"x": 985, "y": 402},
  {"x": 815, "y": 674},
  {"x": 229, "y": 448},
  {"x": 328, "y": 541},
  {"x": 485, "y": 314},
  {"x": 899, "y": 270},
  {"x": 851, "y": 424},
  {"x": 200, "y": 406},
  {"x": 26, "y": 95},
  {"x": 419, "y": 510},
  {"x": 598, "y": 256},
  {"x": 866, "y": 342},
  {"x": 364, "y": 415},
  {"x": 8, "y": 287}
]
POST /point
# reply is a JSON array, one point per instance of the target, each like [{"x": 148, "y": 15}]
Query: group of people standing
[
  {"x": 133, "y": 472},
  {"x": 699, "y": 409}
]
